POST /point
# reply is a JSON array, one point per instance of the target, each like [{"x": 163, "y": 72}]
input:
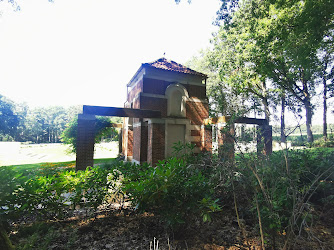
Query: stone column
[
  {"x": 85, "y": 141},
  {"x": 140, "y": 142}
]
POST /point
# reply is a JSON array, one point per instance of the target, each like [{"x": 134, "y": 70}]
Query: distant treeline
[
  {"x": 20, "y": 123},
  {"x": 301, "y": 130}
]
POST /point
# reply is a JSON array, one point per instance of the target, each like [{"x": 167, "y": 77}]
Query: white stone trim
[
  {"x": 155, "y": 121},
  {"x": 195, "y": 127},
  {"x": 170, "y": 102},
  {"x": 195, "y": 99},
  {"x": 176, "y": 86},
  {"x": 196, "y": 138},
  {"x": 152, "y": 95},
  {"x": 137, "y": 124}
]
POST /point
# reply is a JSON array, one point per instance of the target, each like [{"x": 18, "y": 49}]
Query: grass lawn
[{"x": 16, "y": 153}]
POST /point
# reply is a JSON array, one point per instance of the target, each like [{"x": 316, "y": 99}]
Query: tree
[
  {"x": 237, "y": 59},
  {"x": 223, "y": 100},
  {"x": 326, "y": 70},
  {"x": 8, "y": 119},
  {"x": 276, "y": 40},
  {"x": 103, "y": 128}
]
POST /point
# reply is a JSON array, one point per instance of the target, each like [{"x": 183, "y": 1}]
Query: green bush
[
  {"x": 53, "y": 194},
  {"x": 173, "y": 190},
  {"x": 285, "y": 187}
]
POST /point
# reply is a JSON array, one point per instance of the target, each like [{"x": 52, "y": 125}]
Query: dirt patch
[{"x": 125, "y": 229}]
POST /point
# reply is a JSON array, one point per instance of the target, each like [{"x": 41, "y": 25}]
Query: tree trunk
[
  {"x": 324, "y": 132},
  {"x": 283, "y": 137},
  {"x": 308, "y": 108},
  {"x": 265, "y": 101},
  {"x": 266, "y": 108}
]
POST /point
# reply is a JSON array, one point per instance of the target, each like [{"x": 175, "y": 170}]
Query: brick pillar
[
  {"x": 129, "y": 150},
  {"x": 156, "y": 143},
  {"x": 226, "y": 141},
  {"x": 85, "y": 141},
  {"x": 144, "y": 142},
  {"x": 206, "y": 138},
  {"x": 136, "y": 142},
  {"x": 140, "y": 135},
  {"x": 120, "y": 141},
  {"x": 264, "y": 140}
]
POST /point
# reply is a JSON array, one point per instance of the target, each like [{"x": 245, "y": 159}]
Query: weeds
[{"x": 277, "y": 194}]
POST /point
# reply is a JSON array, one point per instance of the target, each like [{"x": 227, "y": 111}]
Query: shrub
[
  {"x": 173, "y": 190},
  {"x": 281, "y": 187},
  {"x": 54, "y": 194}
]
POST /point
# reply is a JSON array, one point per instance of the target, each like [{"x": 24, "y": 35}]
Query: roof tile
[{"x": 165, "y": 64}]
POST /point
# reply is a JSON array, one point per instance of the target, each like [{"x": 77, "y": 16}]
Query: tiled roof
[{"x": 165, "y": 64}]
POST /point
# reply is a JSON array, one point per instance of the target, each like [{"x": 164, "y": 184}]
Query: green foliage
[
  {"x": 53, "y": 193},
  {"x": 282, "y": 189},
  {"x": 8, "y": 119},
  {"x": 102, "y": 129},
  {"x": 173, "y": 190},
  {"x": 284, "y": 185}
]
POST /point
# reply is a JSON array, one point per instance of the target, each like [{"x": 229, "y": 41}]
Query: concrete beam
[
  {"x": 120, "y": 112},
  {"x": 226, "y": 119}
]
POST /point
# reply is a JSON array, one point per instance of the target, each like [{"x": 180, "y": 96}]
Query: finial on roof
[{"x": 164, "y": 55}]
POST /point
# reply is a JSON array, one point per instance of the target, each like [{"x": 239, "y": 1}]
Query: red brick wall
[
  {"x": 206, "y": 139},
  {"x": 130, "y": 143},
  {"x": 156, "y": 143},
  {"x": 135, "y": 90},
  {"x": 197, "y": 112},
  {"x": 154, "y": 86},
  {"x": 140, "y": 143},
  {"x": 144, "y": 142},
  {"x": 196, "y": 91},
  {"x": 152, "y": 103}
]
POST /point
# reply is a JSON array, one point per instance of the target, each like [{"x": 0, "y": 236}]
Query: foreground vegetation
[{"x": 281, "y": 197}]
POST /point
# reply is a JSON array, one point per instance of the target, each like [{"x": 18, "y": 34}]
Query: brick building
[{"x": 179, "y": 93}]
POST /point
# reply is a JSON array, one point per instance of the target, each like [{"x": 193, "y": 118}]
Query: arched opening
[{"x": 176, "y": 98}]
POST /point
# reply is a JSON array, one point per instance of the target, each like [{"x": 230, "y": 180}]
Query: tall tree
[
  {"x": 223, "y": 100},
  {"x": 238, "y": 57},
  {"x": 8, "y": 119},
  {"x": 276, "y": 40},
  {"x": 326, "y": 73}
]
